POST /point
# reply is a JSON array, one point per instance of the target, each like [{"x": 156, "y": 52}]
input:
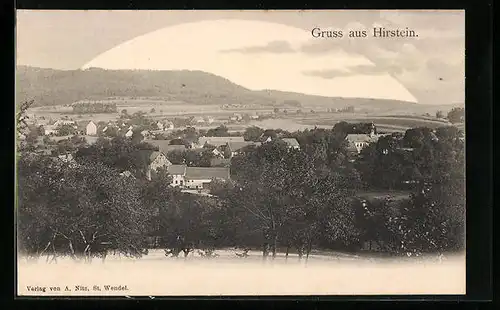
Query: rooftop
[
  {"x": 176, "y": 169},
  {"x": 291, "y": 142},
  {"x": 164, "y": 146},
  {"x": 234, "y": 146},
  {"x": 148, "y": 156},
  {"x": 361, "y": 138},
  {"x": 207, "y": 173},
  {"x": 218, "y": 141}
]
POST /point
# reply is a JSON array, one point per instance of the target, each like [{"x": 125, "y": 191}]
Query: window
[
  {"x": 176, "y": 182},
  {"x": 182, "y": 183}
]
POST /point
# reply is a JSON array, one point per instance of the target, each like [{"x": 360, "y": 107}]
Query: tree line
[{"x": 278, "y": 199}]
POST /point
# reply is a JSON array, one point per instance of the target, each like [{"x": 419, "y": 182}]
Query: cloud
[{"x": 275, "y": 47}]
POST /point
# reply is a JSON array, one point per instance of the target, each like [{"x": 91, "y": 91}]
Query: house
[
  {"x": 200, "y": 177},
  {"x": 218, "y": 141},
  {"x": 153, "y": 160},
  {"x": 292, "y": 143},
  {"x": 91, "y": 129},
  {"x": 50, "y": 130},
  {"x": 129, "y": 133},
  {"x": 235, "y": 148},
  {"x": 209, "y": 120},
  {"x": 160, "y": 125},
  {"x": 177, "y": 172},
  {"x": 196, "y": 177},
  {"x": 360, "y": 141}
]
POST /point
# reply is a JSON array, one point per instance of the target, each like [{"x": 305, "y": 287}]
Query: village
[{"x": 220, "y": 145}]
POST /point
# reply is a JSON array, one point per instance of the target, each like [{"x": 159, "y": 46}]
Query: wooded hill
[{"x": 63, "y": 87}]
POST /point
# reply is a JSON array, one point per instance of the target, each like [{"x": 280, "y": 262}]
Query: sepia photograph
[{"x": 240, "y": 153}]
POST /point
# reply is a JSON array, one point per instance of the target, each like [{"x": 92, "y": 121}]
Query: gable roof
[
  {"x": 218, "y": 141},
  {"x": 148, "y": 156},
  {"x": 235, "y": 146},
  {"x": 176, "y": 169},
  {"x": 291, "y": 142},
  {"x": 361, "y": 138},
  {"x": 197, "y": 173}
]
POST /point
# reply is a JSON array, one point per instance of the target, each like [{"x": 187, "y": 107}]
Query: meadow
[
  {"x": 322, "y": 274},
  {"x": 158, "y": 108}
]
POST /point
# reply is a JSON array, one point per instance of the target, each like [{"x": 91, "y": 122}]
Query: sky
[{"x": 261, "y": 49}]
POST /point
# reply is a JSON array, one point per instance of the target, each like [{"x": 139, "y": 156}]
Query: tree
[
  {"x": 439, "y": 114},
  {"x": 152, "y": 110},
  {"x": 279, "y": 189},
  {"x": 80, "y": 210},
  {"x": 22, "y": 117},
  {"x": 176, "y": 157},
  {"x": 118, "y": 153},
  {"x": 253, "y": 133},
  {"x": 65, "y": 130},
  {"x": 221, "y": 131},
  {"x": 456, "y": 115}
]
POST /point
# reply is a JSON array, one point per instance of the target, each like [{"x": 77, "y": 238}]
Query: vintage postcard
[{"x": 209, "y": 153}]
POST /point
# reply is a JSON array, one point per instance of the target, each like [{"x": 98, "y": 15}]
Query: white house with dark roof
[
  {"x": 177, "y": 172},
  {"x": 196, "y": 177}
]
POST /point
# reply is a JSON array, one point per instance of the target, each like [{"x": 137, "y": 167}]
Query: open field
[
  {"x": 336, "y": 274},
  {"x": 291, "y": 121}
]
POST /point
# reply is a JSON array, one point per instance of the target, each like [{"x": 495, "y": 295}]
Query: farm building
[
  {"x": 196, "y": 177},
  {"x": 218, "y": 141},
  {"x": 200, "y": 177},
  {"x": 177, "y": 172}
]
